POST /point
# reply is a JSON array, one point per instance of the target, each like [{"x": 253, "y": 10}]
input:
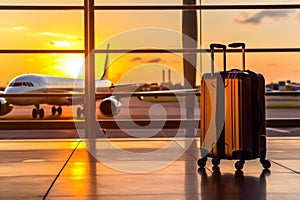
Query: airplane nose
[{"x": 11, "y": 90}]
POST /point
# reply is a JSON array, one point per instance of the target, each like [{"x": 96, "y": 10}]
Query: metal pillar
[
  {"x": 89, "y": 101},
  {"x": 200, "y": 37},
  {"x": 189, "y": 41}
]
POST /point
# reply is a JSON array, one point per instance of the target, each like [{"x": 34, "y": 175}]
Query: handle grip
[
  {"x": 237, "y": 45},
  {"x": 218, "y": 46}
]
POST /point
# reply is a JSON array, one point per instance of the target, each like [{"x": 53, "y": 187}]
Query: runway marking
[
  {"x": 33, "y": 160},
  {"x": 274, "y": 151},
  {"x": 277, "y": 130}
]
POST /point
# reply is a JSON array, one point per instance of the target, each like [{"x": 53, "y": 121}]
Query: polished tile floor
[{"x": 141, "y": 169}]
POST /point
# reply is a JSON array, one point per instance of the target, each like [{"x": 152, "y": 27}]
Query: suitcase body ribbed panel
[{"x": 243, "y": 135}]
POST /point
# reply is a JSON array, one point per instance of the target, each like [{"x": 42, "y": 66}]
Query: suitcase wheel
[
  {"x": 265, "y": 163},
  {"x": 202, "y": 162},
  {"x": 239, "y": 164},
  {"x": 215, "y": 161}
]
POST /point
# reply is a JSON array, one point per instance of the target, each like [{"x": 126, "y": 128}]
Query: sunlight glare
[
  {"x": 72, "y": 64},
  {"x": 62, "y": 43}
]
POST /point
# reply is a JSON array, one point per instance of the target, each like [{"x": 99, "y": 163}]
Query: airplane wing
[
  {"x": 110, "y": 104},
  {"x": 103, "y": 95}
]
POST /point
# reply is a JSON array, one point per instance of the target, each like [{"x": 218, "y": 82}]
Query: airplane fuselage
[{"x": 31, "y": 83}]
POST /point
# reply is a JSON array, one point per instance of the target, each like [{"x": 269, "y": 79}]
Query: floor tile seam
[
  {"x": 184, "y": 149},
  {"x": 61, "y": 170},
  {"x": 21, "y": 197},
  {"x": 42, "y": 140},
  {"x": 283, "y": 166},
  {"x": 126, "y": 195},
  {"x": 26, "y": 176}
]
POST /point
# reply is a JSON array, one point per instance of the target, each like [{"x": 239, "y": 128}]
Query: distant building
[
  {"x": 281, "y": 85},
  {"x": 272, "y": 86}
]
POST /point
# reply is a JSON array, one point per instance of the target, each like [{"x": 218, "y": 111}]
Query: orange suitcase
[{"x": 232, "y": 114}]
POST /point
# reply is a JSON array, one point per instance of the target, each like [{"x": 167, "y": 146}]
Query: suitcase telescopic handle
[
  {"x": 212, "y": 48},
  {"x": 238, "y": 45}
]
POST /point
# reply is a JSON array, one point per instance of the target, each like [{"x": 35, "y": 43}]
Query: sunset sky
[{"x": 131, "y": 29}]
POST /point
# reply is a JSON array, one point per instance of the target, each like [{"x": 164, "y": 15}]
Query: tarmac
[{"x": 141, "y": 168}]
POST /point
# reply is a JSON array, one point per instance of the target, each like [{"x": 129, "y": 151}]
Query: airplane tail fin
[{"x": 106, "y": 63}]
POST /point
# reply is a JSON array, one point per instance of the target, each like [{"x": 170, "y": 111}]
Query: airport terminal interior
[
  {"x": 64, "y": 169},
  {"x": 151, "y": 148}
]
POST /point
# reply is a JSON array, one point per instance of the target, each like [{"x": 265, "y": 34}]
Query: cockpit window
[{"x": 19, "y": 84}]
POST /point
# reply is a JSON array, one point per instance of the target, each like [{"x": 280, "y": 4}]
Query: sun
[
  {"x": 72, "y": 64},
  {"x": 68, "y": 65}
]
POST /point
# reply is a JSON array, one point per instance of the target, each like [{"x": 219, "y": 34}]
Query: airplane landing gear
[
  {"x": 58, "y": 110},
  {"x": 34, "y": 113},
  {"x": 79, "y": 112},
  {"x": 53, "y": 110},
  {"x": 37, "y": 111}
]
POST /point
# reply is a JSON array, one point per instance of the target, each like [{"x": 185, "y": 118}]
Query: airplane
[
  {"x": 34, "y": 83},
  {"x": 294, "y": 86},
  {"x": 18, "y": 91},
  {"x": 35, "y": 89}
]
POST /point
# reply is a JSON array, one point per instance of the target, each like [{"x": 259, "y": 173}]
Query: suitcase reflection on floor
[{"x": 233, "y": 186}]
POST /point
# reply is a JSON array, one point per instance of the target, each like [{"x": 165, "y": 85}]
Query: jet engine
[
  {"x": 5, "y": 107},
  {"x": 110, "y": 107}
]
